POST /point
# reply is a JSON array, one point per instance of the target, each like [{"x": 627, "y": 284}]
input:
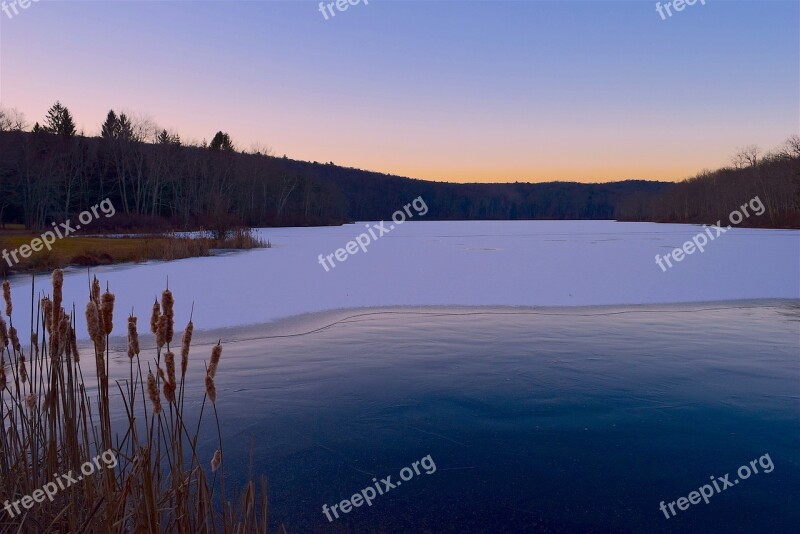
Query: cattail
[
  {"x": 47, "y": 311},
  {"x": 58, "y": 285},
  {"x": 3, "y": 334},
  {"x": 154, "y": 318},
  {"x": 107, "y": 312},
  {"x": 168, "y": 387},
  {"x": 169, "y": 392},
  {"x": 2, "y": 377},
  {"x": 169, "y": 360},
  {"x": 55, "y": 340},
  {"x": 63, "y": 334},
  {"x": 30, "y": 400},
  {"x": 93, "y": 320},
  {"x": 93, "y": 325},
  {"x": 216, "y": 461},
  {"x": 7, "y": 297},
  {"x": 12, "y": 335},
  {"x": 23, "y": 371},
  {"x": 168, "y": 305},
  {"x": 186, "y": 342},
  {"x": 211, "y": 389},
  {"x": 161, "y": 332},
  {"x": 152, "y": 392},
  {"x": 96, "y": 290},
  {"x": 216, "y": 352},
  {"x": 169, "y": 383},
  {"x": 133, "y": 337}
]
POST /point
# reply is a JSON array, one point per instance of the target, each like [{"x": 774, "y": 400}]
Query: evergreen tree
[
  {"x": 110, "y": 128},
  {"x": 125, "y": 127},
  {"x": 59, "y": 121},
  {"x": 221, "y": 142},
  {"x": 165, "y": 138}
]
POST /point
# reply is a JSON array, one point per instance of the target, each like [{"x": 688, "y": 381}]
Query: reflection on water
[{"x": 575, "y": 420}]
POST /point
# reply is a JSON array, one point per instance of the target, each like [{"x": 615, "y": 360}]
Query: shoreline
[{"x": 310, "y": 323}]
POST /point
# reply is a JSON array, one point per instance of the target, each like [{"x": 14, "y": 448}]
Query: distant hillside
[
  {"x": 712, "y": 196},
  {"x": 45, "y": 177},
  {"x": 165, "y": 185}
]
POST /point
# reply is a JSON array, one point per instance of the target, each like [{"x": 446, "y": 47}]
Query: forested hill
[{"x": 46, "y": 177}]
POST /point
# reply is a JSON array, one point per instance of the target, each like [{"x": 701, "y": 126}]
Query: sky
[{"x": 462, "y": 91}]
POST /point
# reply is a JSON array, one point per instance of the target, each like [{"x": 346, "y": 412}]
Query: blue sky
[{"x": 449, "y": 90}]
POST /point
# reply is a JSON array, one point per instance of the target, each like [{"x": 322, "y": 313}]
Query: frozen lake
[
  {"x": 557, "y": 420},
  {"x": 419, "y": 263}
]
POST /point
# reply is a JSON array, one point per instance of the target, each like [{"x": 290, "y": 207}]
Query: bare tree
[
  {"x": 260, "y": 149},
  {"x": 746, "y": 156},
  {"x": 792, "y": 146},
  {"x": 12, "y": 120}
]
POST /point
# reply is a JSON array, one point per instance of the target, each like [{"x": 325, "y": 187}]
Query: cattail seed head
[
  {"x": 93, "y": 320},
  {"x": 169, "y": 392},
  {"x": 186, "y": 342},
  {"x": 216, "y": 461},
  {"x": 169, "y": 384},
  {"x": 152, "y": 392},
  {"x": 23, "y": 371},
  {"x": 3, "y": 334},
  {"x": 161, "y": 332},
  {"x": 216, "y": 353},
  {"x": 58, "y": 281},
  {"x": 7, "y": 297},
  {"x": 2, "y": 377},
  {"x": 169, "y": 360},
  {"x": 100, "y": 362},
  {"x": 58, "y": 286},
  {"x": 63, "y": 333},
  {"x": 96, "y": 290},
  {"x": 94, "y": 328},
  {"x": 154, "y": 318},
  {"x": 47, "y": 312},
  {"x": 12, "y": 335},
  {"x": 168, "y": 305},
  {"x": 211, "y": 389},
  {"x": 30, "y": 400},
  {"x": 107, "y": 312},
  {"x": 133, "y": 337}
]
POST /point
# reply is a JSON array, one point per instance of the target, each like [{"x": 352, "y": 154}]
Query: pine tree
[
  {"x": 125, "y": 127},
  {"x": 59, "y": 121},
  {"x": 110, "y": 129},
  {"x": 221, "y": 141}
]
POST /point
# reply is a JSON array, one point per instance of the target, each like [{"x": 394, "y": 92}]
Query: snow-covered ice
[{"x": 516, "y": 263}]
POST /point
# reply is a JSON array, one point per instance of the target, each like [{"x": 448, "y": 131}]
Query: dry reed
[{"x": 53, "y": 421}]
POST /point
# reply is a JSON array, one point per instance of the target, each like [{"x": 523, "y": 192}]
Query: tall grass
[{"x": 53, "y": 421}]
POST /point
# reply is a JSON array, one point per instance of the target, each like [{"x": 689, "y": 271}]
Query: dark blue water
[{"x": 537, "y": 421}]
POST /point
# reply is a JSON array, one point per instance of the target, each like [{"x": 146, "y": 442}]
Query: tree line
[
  {"x": 773, "y": 177},
  {"x": 158, "y": 182}
]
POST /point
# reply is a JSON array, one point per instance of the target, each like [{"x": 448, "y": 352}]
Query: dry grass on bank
[
  {"x": 93, "y": 251},
  {"x": 53, "y": 422}
]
